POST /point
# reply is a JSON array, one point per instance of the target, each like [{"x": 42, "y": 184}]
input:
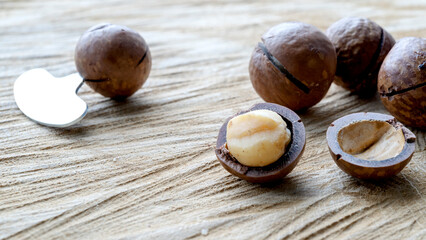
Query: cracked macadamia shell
[
  {"x": 402, "y": 82},
  {"x": 361, "y": 46},
  {"x": 370, "y": 145},
  {"x": 305, "y": 53},
  {"x": 114, "y": 60},
  {"x": 276, "y": 170}
]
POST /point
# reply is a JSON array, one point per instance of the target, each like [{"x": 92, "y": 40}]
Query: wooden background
[{"x": 146, "y": 168}]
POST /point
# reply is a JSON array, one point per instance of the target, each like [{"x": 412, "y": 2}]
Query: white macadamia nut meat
[{"x": 257, "y": 138}]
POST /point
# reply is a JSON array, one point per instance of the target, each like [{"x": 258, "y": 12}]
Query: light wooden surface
[{"x": 146, "y": 168}]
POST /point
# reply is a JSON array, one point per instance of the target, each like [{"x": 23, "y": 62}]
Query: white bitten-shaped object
[{"x": 48, "y": 100}]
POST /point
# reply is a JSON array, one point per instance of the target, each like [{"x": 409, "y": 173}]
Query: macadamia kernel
[{"x": 257, "y": 138}]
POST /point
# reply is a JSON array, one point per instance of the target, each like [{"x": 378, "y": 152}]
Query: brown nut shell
[
  {"x": 272, "y": 172},
  {"x": 114, "y": 60},
  {"x": 361, "y": 46},
  {"x": 402, "y": 82},
  {"x": 369, "y": 169},
  {"x": 294, "y": 66}
]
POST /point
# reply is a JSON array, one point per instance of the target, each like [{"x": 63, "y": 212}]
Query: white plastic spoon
[{"x": 48, "y": 100}]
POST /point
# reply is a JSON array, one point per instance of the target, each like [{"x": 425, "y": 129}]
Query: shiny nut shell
[
  {"x": 114, "y": 60},
  {"x": 306, "y": 53},
  {"x": 276, "y": 170},
  {"x": 365, "y": 169},
  {"x": 361, "y": 46},
  {"x": 402, "y": 82}
]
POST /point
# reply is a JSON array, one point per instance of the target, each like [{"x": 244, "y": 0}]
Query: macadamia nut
[
  {"x": 257, "y": 138},
  {"x": 293, "y": 66},
  {"x": 113, "y": 60},
  {"x": 361, "y": 46},
  {"x": 402, "y": 82}
]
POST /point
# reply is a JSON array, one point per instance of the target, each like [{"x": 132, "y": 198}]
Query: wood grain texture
[{"x": 146, "y": 168}]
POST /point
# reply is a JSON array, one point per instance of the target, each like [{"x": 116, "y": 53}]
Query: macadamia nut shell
[
  {"x": 361, "y": 46},
  {"x": 280, "y": 168},
  {"x": 366, "y": 169},
  {"x": 402, "y": 82},
  {"x": 114, "y": 60},
  {"x": 306, "y": 53}
]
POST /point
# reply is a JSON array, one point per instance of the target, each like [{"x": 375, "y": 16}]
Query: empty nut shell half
[
  {"x": 276, "y": 170},
  {"x": 370, "y": 145}
]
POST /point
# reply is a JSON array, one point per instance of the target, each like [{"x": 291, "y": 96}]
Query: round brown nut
[
  {"x": 370, "y": 145},
  {"x": 402, "y": 82},
  {"x": 293, "y": 66},
  {"x": 113, "y": 60},
  {"x": 254, "y": 134},
  {"x": 361, "y": 46}
]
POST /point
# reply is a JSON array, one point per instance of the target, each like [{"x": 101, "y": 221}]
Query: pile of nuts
[
  {"x": 293, "y": 68},
  {"x": 296, "y": 63}
]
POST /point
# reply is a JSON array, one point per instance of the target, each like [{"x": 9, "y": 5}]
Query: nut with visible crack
[
  {"x": 294, "y": 65},
  {"x": 257, "y": 138},
  {"x": 402, "y": 82},
  {"x": 361, "y": 46},
  {"x": 262, "y": 144},
  {"x": 113, "y": 60},
  {"x": 370, "y": 145}
]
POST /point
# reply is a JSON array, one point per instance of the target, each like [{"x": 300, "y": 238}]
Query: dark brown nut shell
[
  {"x": 402, "y": 82},
  {"x": 114, "y": 60},
  {"x": 361, "y": 46},
  {"x": 365, "y": 169},
  {"x": 276, "y": 170},
  {"x": 306, "y": 53}
]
